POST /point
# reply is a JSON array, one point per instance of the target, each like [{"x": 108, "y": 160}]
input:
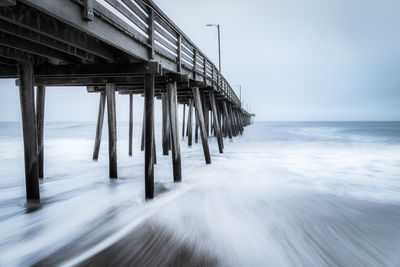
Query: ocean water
[{"x": 282, "y": 194}]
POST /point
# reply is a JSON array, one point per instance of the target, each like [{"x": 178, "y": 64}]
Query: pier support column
[
  {"x": 149, "y": 133},
  {"x": 205, "y": 112},
  {"x": 217, "y": 129},
  {"x": 40, "y": 103},
  {"x": 238, "y": 115},
  {"x": 228, "y": 125},
  {"x": 232, "y": 119},
  {"x": 143, "y": 128},
  {"x": 173, "y": 114},
  {"x": 165, "y": 124},
  {"x": 196, "y": 134},
  {"x": 112, "y": 130},
  {"x": 220, "y": 121},
  {"x": 183, "y": 121},
  {"x": 99, "y": 128},
  {"x": 200, "y": 118},
  {"x": 189, "y": 123},
  {"x": 29, "y": 128},
  {"x": 154, "y": 144},
  {"x": 130, "y": 124}
]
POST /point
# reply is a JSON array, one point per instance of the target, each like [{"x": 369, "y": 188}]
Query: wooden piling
[
  {"x": 217, "y": 129},
  {"x": 165, "y": 124},
  {"x": 173, "y": 114},
  {"x": 220, "y": 122},
  {"x": 232, "y": 119},
  {"x": 149, "y": 132},
  {"x": 154, "y": 145},
  {"x": 143, "y": 128},
  {"x": 228, "y": 125},
  {"x": 196, "y": 134},
  {"x": 189, "y": 124},
  {"x": 130, "y": 124},
  {"x": 200, "y": 118},
  {"x": 239, "y": 122},
  {"x": 40, "y": 103},
  {"x": 112, "y": 130},
  {"x": 99, "y": 128},
  {"x": 26, "y": 93},
  {"x": 183, "y": 121},
  {"x": 205, "y": 112}
]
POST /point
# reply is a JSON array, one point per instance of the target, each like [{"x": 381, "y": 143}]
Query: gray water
[{"x": 283, "y": 194}]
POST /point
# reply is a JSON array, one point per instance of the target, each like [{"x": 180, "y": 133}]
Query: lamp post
[
  {"x": 240, "y": 94},
  {"x": 219, "y": 42}
]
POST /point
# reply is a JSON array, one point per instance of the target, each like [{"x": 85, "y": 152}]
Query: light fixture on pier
[{"x": 219, "y": 42}]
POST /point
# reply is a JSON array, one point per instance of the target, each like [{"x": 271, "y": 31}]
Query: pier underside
[{"x": 88, "y": 43}]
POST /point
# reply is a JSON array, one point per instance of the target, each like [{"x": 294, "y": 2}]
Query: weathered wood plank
[
  {"x": 35, "y": 48},
  {"x": 8, "y": 3},
  {"x": 27, "y": 17},
  {"x": 170, "y": 48},
  {"x": 135, "y": 9},
  {"x": 26, "y": 92},
  {"x": 121, "y": 8},
  {"x": 98, "y": 70}
]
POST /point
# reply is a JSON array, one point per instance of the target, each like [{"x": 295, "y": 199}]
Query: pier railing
[{"x": 146, "y": 23}]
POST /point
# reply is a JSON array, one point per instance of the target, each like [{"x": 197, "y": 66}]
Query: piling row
[{"x": 226, "y": 121}]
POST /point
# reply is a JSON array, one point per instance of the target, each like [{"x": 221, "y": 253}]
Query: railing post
[
  {"x": 88, "y": 13},
  {"x": 179, "y": 66},
  {"x": 194, "y": 64},
  {"x": 218, "y": 87},
  {"x": 151, "y": 34},
  {"x": 212, "y": 76},
  {"x": 205, "y": 72}
]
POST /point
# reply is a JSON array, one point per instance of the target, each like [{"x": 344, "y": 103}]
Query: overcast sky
[{"x": 295, "y": 60}]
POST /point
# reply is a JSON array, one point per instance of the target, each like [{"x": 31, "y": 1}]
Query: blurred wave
[{"x": 283, "y": 194}]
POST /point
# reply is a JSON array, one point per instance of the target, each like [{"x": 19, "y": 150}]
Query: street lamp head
[{"x": 210, "y": 25}]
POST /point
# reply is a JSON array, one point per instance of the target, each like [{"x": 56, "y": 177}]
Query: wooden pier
[{"x": 114, "y": 46}]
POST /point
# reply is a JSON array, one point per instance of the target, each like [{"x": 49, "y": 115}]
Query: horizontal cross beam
[{"x": 34, "y": 20}]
